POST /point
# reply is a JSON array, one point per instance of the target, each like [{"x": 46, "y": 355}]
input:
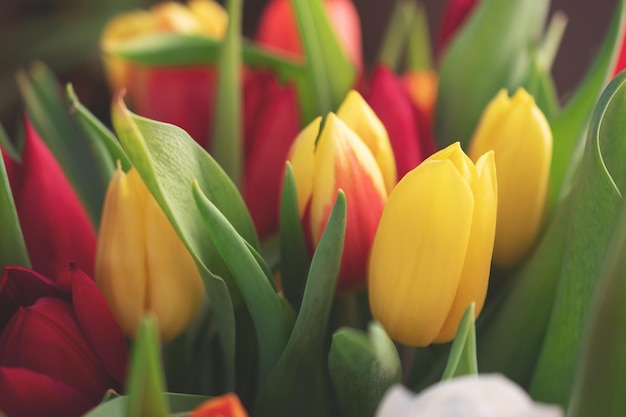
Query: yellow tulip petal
[
  {"x": 175, "y": 288},
  {"x": 475, "y": 276},
  {"x": 301, "y": 156},
  {"x": 342, "y": 160},
  {"x": 488, "y": 126},
  {"x": 359, "y": 116},
  {"x": 212, "y": 17},
  {"x": 419, "y": 252},
  {"x": 176, "y": 18},
  {"x": 120, "y": 269}
]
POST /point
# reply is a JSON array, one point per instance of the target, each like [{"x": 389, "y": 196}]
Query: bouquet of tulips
[{"x": 267, "y": 228}]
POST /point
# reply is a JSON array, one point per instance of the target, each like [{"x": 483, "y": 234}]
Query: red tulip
[
  {"x": 60, "y": 347},
  {"x": 454, "y": 15},
  {"x": 388, "y": 98},
  {"x": 278, "y": 28},
  {"x": 56, "y": 228},
  {"x": 271, "y": 124}
]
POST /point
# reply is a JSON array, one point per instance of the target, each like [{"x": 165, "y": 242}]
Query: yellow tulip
[
  {"x": 141, "y": 264},
  {"x": 432, "y": 251},
  {"x": 333, "y": 156},
  {"x": 519, "y": 134}
]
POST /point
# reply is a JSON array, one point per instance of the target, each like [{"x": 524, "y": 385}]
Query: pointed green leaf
[
  {"x": 397, "y": 34},
  {"x": 462, "y": 360},
  {"x": 9, "y": 147},
  {"x": 108, "y": 148},
  {"x": 294, "y": 256},
  {"x": 227, "y": 138},
  {"x": 299, "y": 384},
  {"x": 363, "y": 366},
  {"x": 271, "y": 325},
  {"x": 596, "y": 199},
  {"x": 329, "y": 72},
  {"x": 47, "y": 111},
  {"x": 570, "y": 127},
  {"x": 146, "y": 383},
  {"x": 12, "y": 247},
  {"x": 601, "y": 372},
  {"x": 419, "y": 55},
  {"x": 187, "y": 49},
  {"x": 502, "y": 31}
]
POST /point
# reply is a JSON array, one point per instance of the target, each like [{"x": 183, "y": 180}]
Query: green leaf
[
  {"x": 462, "y": 360},
  {"x": 299, "y": 384},
  {"x": 187, "y": 49},
  {"x": 363, "y": 366},
  {"x": 294, "y": 253},
  {"x": 271, "y": 325},
  {"x": 397, "y": 34},
  {"x": 107, "y": 148},
  {"x": 169, "y": 160},
  {"x": 502, "y": 31},
  {"x": 9, "y": 147},
  {"x": 146, "y": 383},
  {"x": 12, "y": 247},
  {"x": 570, "y": 127},
  {"x": 47, "y": 111},
  {"x": 329, "y": 72},
  {"x": 419, "y": 53},
  {"x": 541, "y": 86},
  {"x": 601, "y": 372},
  {"x": 227, "y": 143},
  {"x": 596, "y": 199},
  {"x": 177, "y": 403}
]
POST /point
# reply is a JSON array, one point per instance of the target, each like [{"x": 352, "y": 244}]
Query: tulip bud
[
  {"x": 278, "y": 28},
  {"x": 141, "y": 264},
  {"x": 519, "y": 134},
  {"x": 328, "y": 157},
  {"x": 56, "y": 227},
  {"x": 431, "y": 254},
  {"x": 179, "y": 95}
]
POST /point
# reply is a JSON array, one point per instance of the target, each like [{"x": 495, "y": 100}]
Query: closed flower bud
[
  {"x": 519, "y": 134},
  {"x": 431, "y": 254},
  {"x": 332, "y": 159},
  {"x": 141, "y": 264},
  {"x": 227, "y": 405}
]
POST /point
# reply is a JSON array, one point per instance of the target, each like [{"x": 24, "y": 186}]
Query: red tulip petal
[
  {"x": 454, "y": 15},
  {"x": 101, "y": 330},
  {"x": 45, "y": 338},
  {"x": 27, "y": 393},
  {"x": 277, "y": 127},
  {"x": 180, "y": 96},
  {"x": 56, "y": 228}
]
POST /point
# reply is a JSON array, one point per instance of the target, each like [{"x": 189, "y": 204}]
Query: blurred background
[{"x": 64, "y": 34}]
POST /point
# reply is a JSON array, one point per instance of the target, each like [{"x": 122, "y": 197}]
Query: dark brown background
[{"x": 64, "y": 34}]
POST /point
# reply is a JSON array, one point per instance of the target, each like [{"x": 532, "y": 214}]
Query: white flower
[{"x": 489, "y": 395}]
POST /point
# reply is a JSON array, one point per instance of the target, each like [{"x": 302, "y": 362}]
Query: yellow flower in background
[
  {"x": 432, "y": 251},
  {"x": 354, "y": 156},
  {"x": 520, "y": 136},
  {"x": 141, "y": 264}
]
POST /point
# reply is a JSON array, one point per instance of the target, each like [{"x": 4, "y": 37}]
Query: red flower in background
[
  {"x": 408, "y": 128},
  {"x": 56, "y": 227},
  {"x": 278, "y": 28},
  {"x": 60, "y": 347},
  {"x": 272, "y": 123}
]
